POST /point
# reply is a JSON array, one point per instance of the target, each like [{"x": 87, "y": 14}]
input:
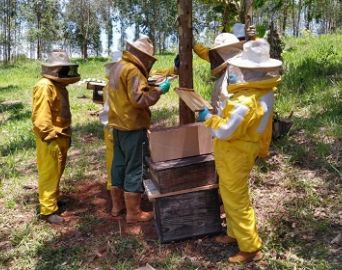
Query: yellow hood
[{"x": 267, "y": 84}]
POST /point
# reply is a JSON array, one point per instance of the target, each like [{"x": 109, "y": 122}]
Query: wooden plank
[
  {"x": 187, "y": 215},
  {"x": 193, "y": 100},
  {"x": 178, "y": 163},
  {"x": 153, "y": 193},
  {"x": 186, "y": 116}
]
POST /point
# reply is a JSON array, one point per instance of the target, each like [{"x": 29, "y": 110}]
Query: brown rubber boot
[
  {"x": 118, "y": 203},
  {"x": 225, "y": 239},
  {"x": 54, "y": 219},
  {"x": 134, "y": 213},
  {"x": 245, "y": 257}
]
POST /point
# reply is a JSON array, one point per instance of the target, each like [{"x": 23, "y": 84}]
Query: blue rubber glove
[
  {"x": 177, "y": 61},
  {"x": 165, "y": 86},
  {"x": 203, "y": 114},
  {"x": 232, "y": 78}
]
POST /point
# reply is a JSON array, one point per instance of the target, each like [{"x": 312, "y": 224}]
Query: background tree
[
  {"x": 84, "y": 26},
  {"x": 43, "y": 19},
  {"x": 9, "y": 23}
]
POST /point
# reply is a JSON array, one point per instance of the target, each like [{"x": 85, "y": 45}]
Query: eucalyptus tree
[
  {"x": 154, "y": 18},
  {"x": 9, "y": 28},
  {"x": 43, "y": 18},
  {"x": 83, "y": 25},
  {"x": 108, "y": 16}
]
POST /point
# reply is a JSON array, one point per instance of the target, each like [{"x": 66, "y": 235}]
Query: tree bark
[
  {"x": 248, "y": 15},
  {"x": 225, "y": 19},
  {"x": 293, "y": 19},
  {"x": 85, "y": 41},
  {"x": 284, "y": 18},
  {"x": 186, "y": 116},
  {"x": 39, "y": 40},
  {"x": 298, "y": 17}
]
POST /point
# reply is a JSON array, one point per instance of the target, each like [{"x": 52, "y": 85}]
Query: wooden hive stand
[{"x": 185, "y": 213}]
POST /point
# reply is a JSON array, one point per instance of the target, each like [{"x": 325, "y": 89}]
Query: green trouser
[{"x": 130, "y": 147}]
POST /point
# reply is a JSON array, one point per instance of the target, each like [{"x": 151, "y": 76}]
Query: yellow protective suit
[
  {"x": 108, "y": 138},
  {"x": 129, "y": 94},
  {"x": 201, "y": 51},
  {"x": 51, "y": 159},
  {"x": 51, "y": 120},
  {"x": 242, "y": 132}
]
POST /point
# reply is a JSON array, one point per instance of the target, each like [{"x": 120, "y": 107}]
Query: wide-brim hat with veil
[
  {"x": 226, "y": 45},
  {"x": 255, "y": 55},
  {"x": 58, "y": 67},
  {"x": 143, "y": 50}
]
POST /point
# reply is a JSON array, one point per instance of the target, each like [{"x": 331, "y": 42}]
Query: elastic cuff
[{"x": 209, "y": 115}]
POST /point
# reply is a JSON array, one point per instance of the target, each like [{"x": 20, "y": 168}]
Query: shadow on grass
[
  {"x": 312, "y": 154},
  {"x": 90, "y": 129},
  {"x": 11, "y": 105},
  {"x": 304, "y": 235},
  {"x": 18, "y": 144},
  {"x": 16, "y": 112},
  {"x": 10, "y": 87}
]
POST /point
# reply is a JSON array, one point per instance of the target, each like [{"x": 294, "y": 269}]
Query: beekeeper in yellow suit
[
  {"x": 51, "y": 118},
  {"x": 226, "y": 46},
  {"x": 242, "y": 132},
  {"x": 130, "y": 96},
  {"x": 107, "y": 131}
]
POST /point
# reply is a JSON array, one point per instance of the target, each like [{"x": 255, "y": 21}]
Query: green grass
[{"x": 297, "y": 191}]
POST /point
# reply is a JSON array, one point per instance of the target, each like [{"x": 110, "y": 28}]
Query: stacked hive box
[{"x": 183, "y": 184}]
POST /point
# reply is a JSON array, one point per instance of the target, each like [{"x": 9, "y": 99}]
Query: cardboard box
[{"x": 179, "y": 142}]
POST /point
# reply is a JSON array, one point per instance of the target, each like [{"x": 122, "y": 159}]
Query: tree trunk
[
  {"x": 308, "y": 16},
  {"x": 248, "y": 15},
  {"x": 39, "y": 40},
  {"x": 186, "y": 116},
  {"x": 293, "y": 19},
  {"x": 298, "y": 17},
  {"x": 122, "y": 34},
  {"x": 284, "y": 18},
  {"x": 225, "y": 19},
  {"x": 85, "y": 41},
  {"x": 109, "y": 30},
  {"x": 8, "y": 32}
]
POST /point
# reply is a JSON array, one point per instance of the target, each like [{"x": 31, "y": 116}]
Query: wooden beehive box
[
  {"x": 179, "y": 142},
  {"x": 97, "y": 88},
  {"x": 185, "y": 214},
  {"x": 184, "y": 173}
]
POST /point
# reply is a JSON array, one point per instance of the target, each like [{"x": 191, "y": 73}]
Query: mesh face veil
[{"x": 61, "y": 71}]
